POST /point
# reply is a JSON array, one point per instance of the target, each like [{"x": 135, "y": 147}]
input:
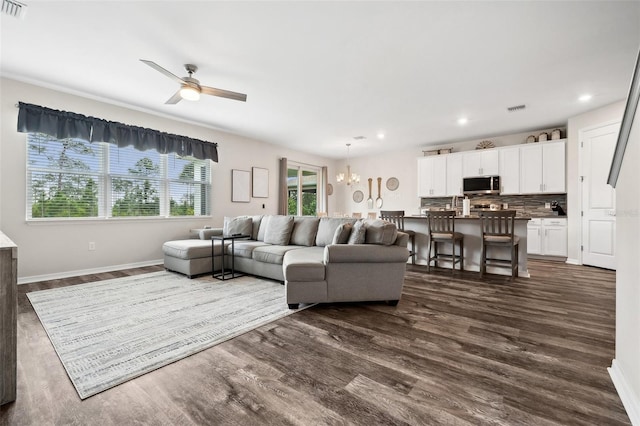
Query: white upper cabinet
[
  {"x": 480, "y": 163},
  {"x": 542, "y": 168},
  {"x": 509, "y": 170},
  {"x": 432, "y": 176},
  {"x": 553, "y": 168},
  {"x": 454, "y": 174}
]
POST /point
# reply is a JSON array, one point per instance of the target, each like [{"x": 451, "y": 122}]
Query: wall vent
[
  {"x": 14, "y": 8},
  {"x": 359, "y": 138},
  {"x": 516, "y": 108}
]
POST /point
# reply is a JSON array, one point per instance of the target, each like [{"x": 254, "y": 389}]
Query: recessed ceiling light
[
  {"x": 380, "y": 135},
  {"x": 584, "y": 98},
  {"x": 463, "y": 120}
]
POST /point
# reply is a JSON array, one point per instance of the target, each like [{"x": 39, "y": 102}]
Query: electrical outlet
[
  {"x": 547, "y": 205},
  {"x": 92, "y": 246}
]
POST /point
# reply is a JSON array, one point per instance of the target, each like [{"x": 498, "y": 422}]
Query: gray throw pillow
[
  {"x": 304, "y": 231},
  {"x": 237, "y": 225},
  {"x": 327, "y": 229},
  {"x": 357, "y": 233},
  {"x": 278, "y": 230},
  {"x": 380, "y": 232},
  {"x": 263, "y": 227},
  {"x": 256, "y": 226},
  {"x": 341, "y": 236}
]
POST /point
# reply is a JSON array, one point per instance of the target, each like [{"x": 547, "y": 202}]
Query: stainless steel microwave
[{"x": 481, "y": 185}]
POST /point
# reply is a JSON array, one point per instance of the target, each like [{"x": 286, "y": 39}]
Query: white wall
[
  {"x": 625, "y": 369},
  {"x": 587, "y": 120},
  {"x": 61, "y": 248}
]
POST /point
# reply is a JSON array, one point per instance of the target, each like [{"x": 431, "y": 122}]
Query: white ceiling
[{"x": 319, "y": 73}]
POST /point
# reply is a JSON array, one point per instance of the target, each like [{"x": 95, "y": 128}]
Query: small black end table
[{"x": 222, "y": 274}]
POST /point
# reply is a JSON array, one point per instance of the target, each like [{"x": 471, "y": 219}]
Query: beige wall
[
  {"x": 592, "y": 119},
  {"x": 626, "y": 367},
  {"x": 61, "y": 248}
]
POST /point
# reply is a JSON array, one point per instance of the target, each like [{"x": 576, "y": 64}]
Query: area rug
[{"x": 111, "y": 331}]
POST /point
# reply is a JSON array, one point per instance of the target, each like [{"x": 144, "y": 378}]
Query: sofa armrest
[
  {"x": 206, "y": 234},
  {"x": 365, "y": 253}
]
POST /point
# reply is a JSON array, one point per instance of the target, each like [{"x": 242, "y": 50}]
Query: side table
[{"x": 222, "y": 274}]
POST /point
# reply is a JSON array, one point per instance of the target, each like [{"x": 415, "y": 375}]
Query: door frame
[{"x": 581, "y": 132}]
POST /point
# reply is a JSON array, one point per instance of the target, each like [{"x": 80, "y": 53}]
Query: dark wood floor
[{"x": 454, "y": 351}]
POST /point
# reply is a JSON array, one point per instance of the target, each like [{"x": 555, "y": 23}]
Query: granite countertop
[{"x": 471, "y": 216}]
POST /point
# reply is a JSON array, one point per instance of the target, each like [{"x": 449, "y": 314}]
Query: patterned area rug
[{"x": 111, "y": 331}]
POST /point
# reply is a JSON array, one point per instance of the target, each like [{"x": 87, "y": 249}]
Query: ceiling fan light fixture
[{"x": 189, "y": 93}]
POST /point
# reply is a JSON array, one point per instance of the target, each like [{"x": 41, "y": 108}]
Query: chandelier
[{"x": 349, "y": 178}]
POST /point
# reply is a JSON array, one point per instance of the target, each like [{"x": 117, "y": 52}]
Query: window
[
  {"x": 72, "y": 178},
  {"x": 303, "y": 183}
]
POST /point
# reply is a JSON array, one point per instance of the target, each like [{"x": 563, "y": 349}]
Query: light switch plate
[{"x": 547, "y": 205}]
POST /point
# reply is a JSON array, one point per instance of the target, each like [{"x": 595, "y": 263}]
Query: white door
[{"x": 598, "y": 198}]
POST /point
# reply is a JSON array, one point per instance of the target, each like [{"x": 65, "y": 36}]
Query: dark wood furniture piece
[
  {"x": 8, "y": 318},
  {"x": 222, "y": 274},
  {"x": 397, "y": 217},
  {"x": 442, "y": 229},
  {"x": 497, "y": 229}
]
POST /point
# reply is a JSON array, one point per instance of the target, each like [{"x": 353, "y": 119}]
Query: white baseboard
[
  {"x": 67, "y": 274},
  {"x": 629, "y": 399},
  {"x": 573, "y": 262}
]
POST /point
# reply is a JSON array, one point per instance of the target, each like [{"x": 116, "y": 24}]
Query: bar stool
[
  {"x": 397, "y": 217},
  {"x": 442, "y": 229},
  {"x": 497, "y": 230}
]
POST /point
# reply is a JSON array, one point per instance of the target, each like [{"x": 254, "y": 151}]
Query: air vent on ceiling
[
  {"x": 516, "y": 108},
  {"x": 359, "y": 138},
  {"x": 14, "y": 8}
]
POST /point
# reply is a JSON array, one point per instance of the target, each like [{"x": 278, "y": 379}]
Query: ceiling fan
[{"x": 190, "y": 88}]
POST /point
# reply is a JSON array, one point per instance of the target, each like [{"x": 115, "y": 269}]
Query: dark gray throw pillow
[{"x": 341, "y": 236}]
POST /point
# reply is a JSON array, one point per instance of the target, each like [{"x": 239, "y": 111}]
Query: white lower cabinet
[{"x": 547, "y": 237}]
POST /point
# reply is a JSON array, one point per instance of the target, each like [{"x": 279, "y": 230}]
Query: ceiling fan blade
[
  {"x": 163, "y": 71},
  {"x": 223, "y": 93},
  {"x": 174, "y": 99}
]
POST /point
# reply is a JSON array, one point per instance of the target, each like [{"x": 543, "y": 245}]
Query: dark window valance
[{"x": 63, "y": 125}]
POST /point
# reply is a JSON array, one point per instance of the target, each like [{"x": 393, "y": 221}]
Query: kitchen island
[{"x": 470, "y": 227}]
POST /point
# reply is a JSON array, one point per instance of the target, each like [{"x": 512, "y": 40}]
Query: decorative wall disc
[
  {"x": 393, "y": 184},
  {"x": 329, "y": 189},
  {"x": 358, "y": 196}
]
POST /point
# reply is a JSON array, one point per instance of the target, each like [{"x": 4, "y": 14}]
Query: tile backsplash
[{"x": 524, "y": 205}]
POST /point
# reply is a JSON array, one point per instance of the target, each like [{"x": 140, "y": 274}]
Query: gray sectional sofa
[{"x": 318, "y": 259}]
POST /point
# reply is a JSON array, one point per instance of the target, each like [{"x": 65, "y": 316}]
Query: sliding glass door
[{"x": 304, "y": 185}]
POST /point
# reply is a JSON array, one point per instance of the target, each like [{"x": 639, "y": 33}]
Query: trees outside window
[{"x": 73, "y": 178}]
